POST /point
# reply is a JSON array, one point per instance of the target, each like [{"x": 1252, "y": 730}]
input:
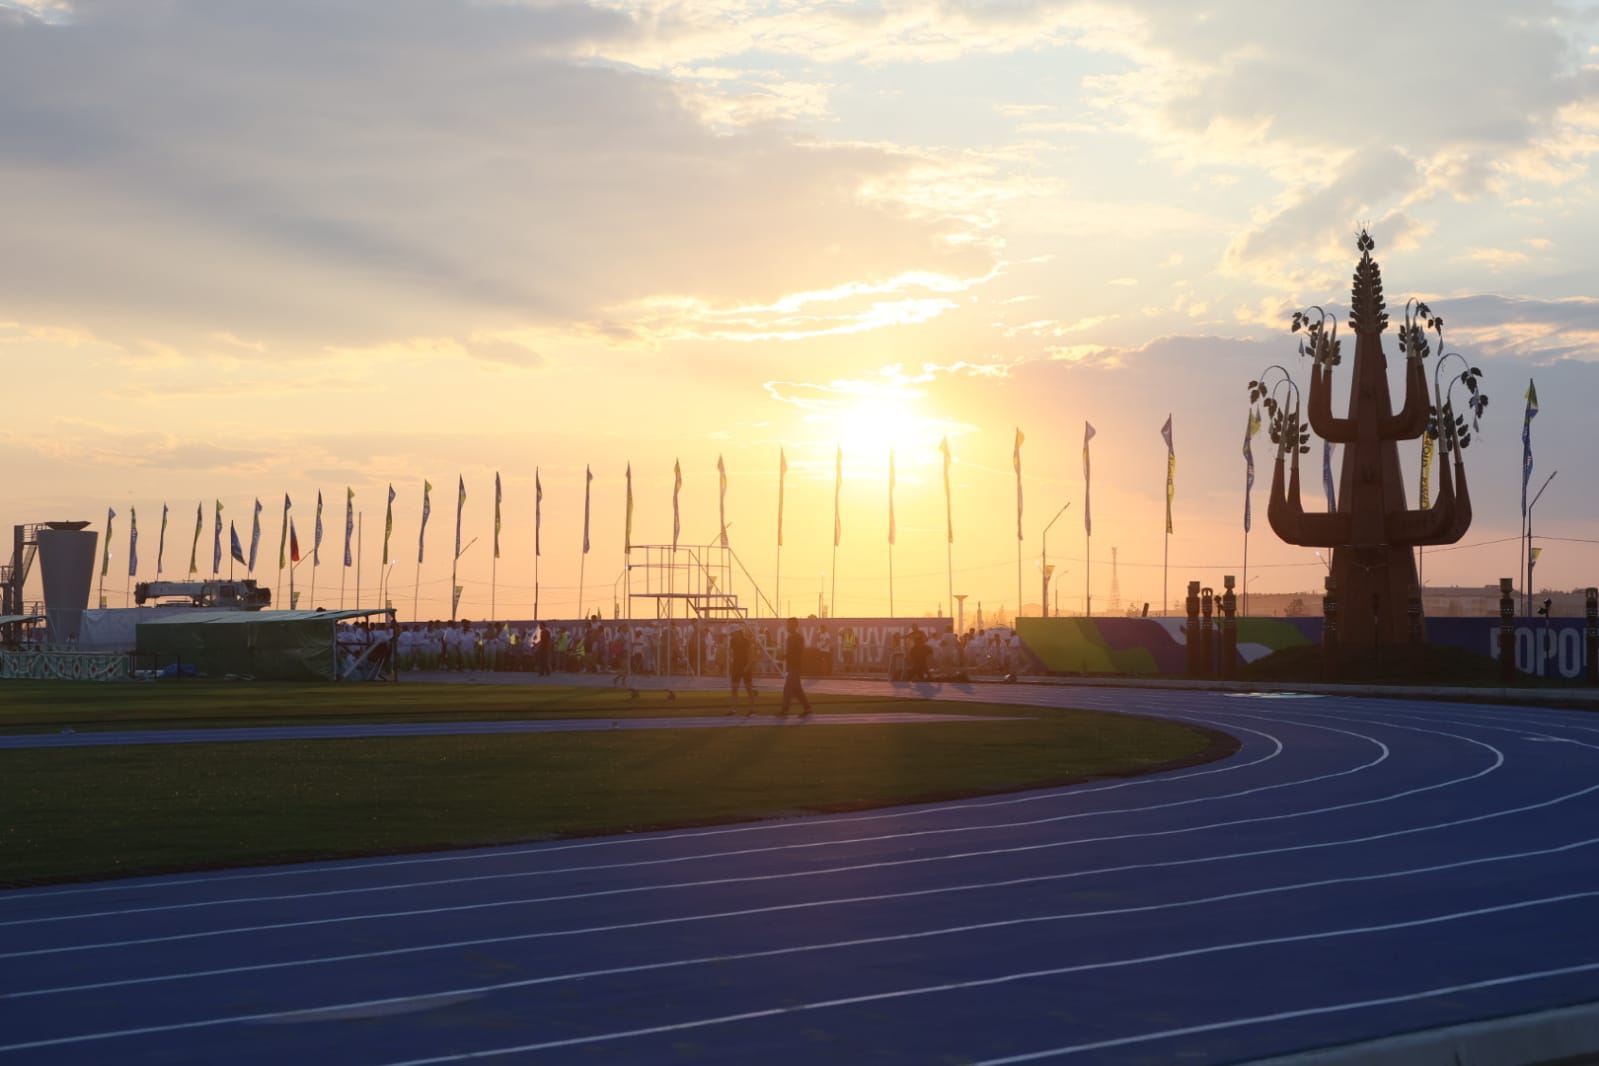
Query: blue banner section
[{"x": 1550, "y": 648}]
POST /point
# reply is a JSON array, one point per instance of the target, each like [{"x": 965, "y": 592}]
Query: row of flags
[
  {"x": 289, "y": 543},
  {"x": 289, "y": 548}
]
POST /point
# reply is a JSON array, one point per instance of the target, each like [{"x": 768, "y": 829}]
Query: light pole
[
  {"x": 1526, "y": 595},
  {"x": 1044, "y": 557}
]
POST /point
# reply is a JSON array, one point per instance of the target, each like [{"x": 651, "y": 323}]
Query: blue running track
[{"x": 1358, "y": 869}]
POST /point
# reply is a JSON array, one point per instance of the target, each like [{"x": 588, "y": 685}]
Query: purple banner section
[
  {"x": 834, "y": 645},
  {"x": 848, "y": 645}
]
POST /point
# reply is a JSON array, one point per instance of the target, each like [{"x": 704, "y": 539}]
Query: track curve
[{"x": 1357, "y": 869}]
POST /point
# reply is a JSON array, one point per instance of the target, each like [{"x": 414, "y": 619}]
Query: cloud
[
  {"x": 848, "y": 308},
  {"x": 1496, "y": 258},
  {"x": 1302, "y": 243},
  {"x": 1524, "y": 329},
  {"x": 446, "y": 169}
]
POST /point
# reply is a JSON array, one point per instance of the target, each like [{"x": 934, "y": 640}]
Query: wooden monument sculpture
[{"x": 1373, "y": 594}]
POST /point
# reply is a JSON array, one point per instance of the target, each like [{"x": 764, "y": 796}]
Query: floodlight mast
[{"x": 1044, "y": 558}]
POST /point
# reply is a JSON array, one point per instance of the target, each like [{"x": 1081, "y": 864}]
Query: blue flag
[
  {"x": 1526, "y": 442},
  {"x": 237, "y": 549},
  {"x": 1326, "y": 475},
  {"x": 1252, "y": 428}
]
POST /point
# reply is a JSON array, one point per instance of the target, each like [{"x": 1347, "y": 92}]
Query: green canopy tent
[{"x": 265, "y": 645}]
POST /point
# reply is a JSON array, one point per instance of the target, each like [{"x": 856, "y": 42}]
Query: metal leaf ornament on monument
[{"x": 1372, "y": 534}]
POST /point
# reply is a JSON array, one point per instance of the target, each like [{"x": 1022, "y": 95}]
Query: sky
[{"x": 256, "y": 249}]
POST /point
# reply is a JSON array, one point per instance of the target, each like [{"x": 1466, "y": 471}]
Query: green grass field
[{"x": 107, "y": 812}]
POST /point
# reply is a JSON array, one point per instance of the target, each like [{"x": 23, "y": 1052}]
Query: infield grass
[{"x": 75, "y": 813}]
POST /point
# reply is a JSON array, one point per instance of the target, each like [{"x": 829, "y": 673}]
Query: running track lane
[{"x": 1357, "y": 869}]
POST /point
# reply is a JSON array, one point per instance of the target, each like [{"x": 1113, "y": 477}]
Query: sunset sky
[{"x": 257, "y": 248}]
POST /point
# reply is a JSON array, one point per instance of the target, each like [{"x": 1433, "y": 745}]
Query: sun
[{"x": 880, "y": 419}]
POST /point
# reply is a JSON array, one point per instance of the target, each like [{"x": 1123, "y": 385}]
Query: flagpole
[
  {"x": 1165, "y": 570},
  {"x": 538, "y": 535},
  {"x": 777, "y": 586},
  {"x": 1521, "y": 548},
  {"x": 360, "y": 542},
  {"x": 949, "y": 573},
  {"x": 891, "y": 533},
  {"x": 1246, "y": 573},
  {"x": 949, "y": 531},
  {"x": 832, "y": 595},
  {"x": 582, "y": 563},
  {"x": 284, "y": 540},
  {"x": 1018, "y": 579},
  {"x": 1088, "y": 577}
]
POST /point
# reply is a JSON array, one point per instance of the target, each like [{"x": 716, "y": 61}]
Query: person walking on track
[
  {"x": 795, "y": 662},
  {"x": 740, "y": 668}
]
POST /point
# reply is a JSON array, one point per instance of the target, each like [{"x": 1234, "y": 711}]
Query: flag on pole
[
  {"x": 1171, "y": 469},
  {"x": 949, "y": 513},
  {"x": 388, "y": 528},
  {"x": 294, "y": 543},
  {"x": 1088, "y": 511},
  {"x": 161, "y": 544},
  {"x": 316, "y": 540},
  {"x": 721, "y": 507},
  {"x": 105, "y": 555},
  {"x": 1426, "y": 471},
  {"x": 133, "y": 541},
  {"x": 1326, "y": 476},
  {"x": 427, "y": 509},
  {"x": 588, "y": 483},
  {"x": 1535, "y": 553},
  {"x": 216, "y": 548},
  {"x": 677, "y": 487},
  {"x": 349, "y": 523},
  {"x": 1526, "y": 442},
  {"x": 255, "y": 534},
  {"x": 782, "y": 476},
  {"x": 1016, "y": 461},
  {"x": 283, "y": 538},
  {"x": 627, "y": 528},
  {"x": 236, "y": 549},
  {"x": 838, "y": 485},
  {"x": 891, "y": 497},
  {"x": 538, "y": 511},
  {"x": 1252, "y": 428},
  {"x": 496, "y": 514},
  {"x": 194, "y": 548},
  {"x": 460, "y": 505}
]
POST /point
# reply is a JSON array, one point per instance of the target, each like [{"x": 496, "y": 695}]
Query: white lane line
[
  {"x": 358, "y": 866},
  {"x": 844, "y": 869},
  {"x": 808, "y": 905},
  {"x": 1034, "y": 974},
  {"x": 1290, "y": 1015},
  {"x": 337, "y": 1009},
  {"x": 379, "y": 730},
  {"x": 1383, "y": 755}
]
